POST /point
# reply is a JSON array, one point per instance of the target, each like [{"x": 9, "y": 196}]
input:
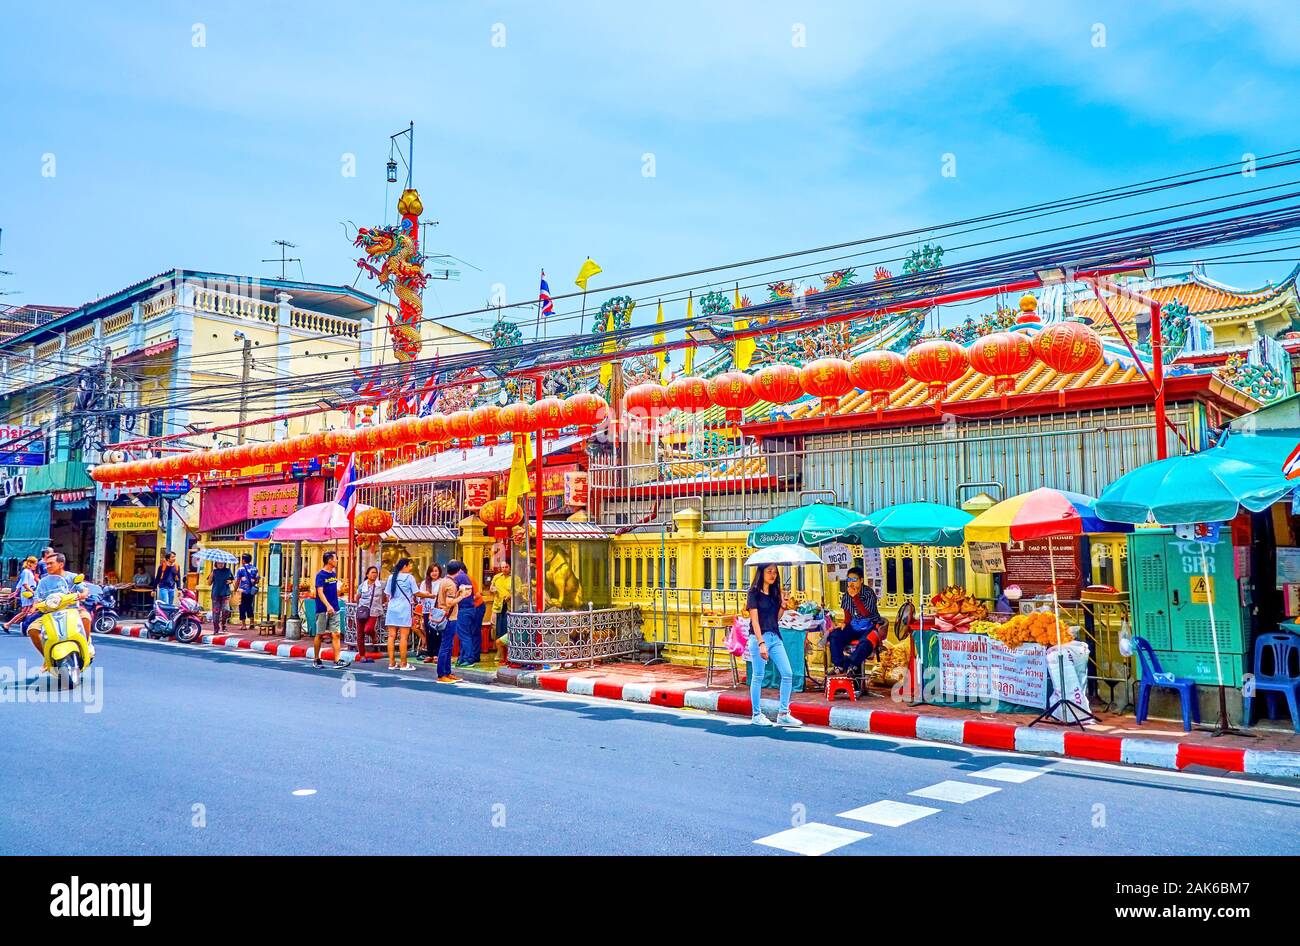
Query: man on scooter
[{"x": 56, "y": 581}]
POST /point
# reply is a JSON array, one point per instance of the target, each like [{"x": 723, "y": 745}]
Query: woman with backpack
[
  {"x": 765, "y": 603},
  {"x": 247, "y": 580},
  {"x": 167, "y": 578}
]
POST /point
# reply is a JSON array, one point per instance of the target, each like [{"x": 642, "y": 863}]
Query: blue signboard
[{"x": 21, "y": 446}]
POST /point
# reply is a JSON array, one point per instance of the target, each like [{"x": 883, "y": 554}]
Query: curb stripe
[
  {"x": 980, "y": 732},
  {"x": 887, "y": 723},
  {"x": 1094, "y": 746},
  {"x": 1218, "y": 757}
]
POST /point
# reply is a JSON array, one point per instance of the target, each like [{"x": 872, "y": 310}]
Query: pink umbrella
[{"x": 321, "y": 522}]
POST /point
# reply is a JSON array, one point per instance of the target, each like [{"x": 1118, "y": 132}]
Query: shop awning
[
  {"x": 458, "y": 464},
  {"x": 561, "y": 529},
  {"x": 27, "y": 526},
  {"x": 401, "y": 533}
]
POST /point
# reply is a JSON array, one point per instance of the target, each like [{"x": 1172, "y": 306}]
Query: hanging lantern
[
  {"x": 191, "y": 462},
  {"x": 315, "y": 445},
  {"x": 688, "y": 394},
  {"x": 485, "y": 421},
  {"x": 434, "y": 429},
  {"x": 549, "y": 413},
  {"x": 828, "y": 379},
  {"x": 936, "y": 364},
  {"x": 408, "y": 431},
  {"x": 1003, "y": 356},
  {"x": 1069, "y": 347},
  {"x": 778, "y": 384},
  {"x": 460, "y": 425},
  {"x": 646, "y": 402},
  {"x": 372, "y": 521},
  {"x": 495, "y": 517},
  {"x": 340, "y": 442},
  {"x": 388, "y": 435},
  {"x": 518, "y": 418},
  {"x": 369, "y": 439},
  {"x": 733, "y": 390},
  {"x": 879, "y": 373},
  {"x": 585, "y": 410}
]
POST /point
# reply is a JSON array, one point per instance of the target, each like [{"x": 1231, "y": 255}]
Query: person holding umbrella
[
  {"x": 220, "y": 580},
  {"x": 765, "y": 603}
]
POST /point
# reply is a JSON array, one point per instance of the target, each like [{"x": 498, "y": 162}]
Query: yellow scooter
[{"x": 67, "y": 649}]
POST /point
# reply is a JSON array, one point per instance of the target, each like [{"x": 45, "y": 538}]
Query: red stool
[{"x": 837, "y": 685}]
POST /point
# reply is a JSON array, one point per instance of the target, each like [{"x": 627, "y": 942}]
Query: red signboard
[
  {"x": 272, "y": 502},
  {"x": 575, "y": 488},
  {"x": 477, "y": 492}
]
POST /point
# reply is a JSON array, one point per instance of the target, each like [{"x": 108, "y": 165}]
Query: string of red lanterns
[{"x": 1065, "y": 347}]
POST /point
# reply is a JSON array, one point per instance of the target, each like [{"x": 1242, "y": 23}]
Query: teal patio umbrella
[
  {"x": 1244, "y": 471},
  {"x": 912, "y": 524},
  {"x": 808, "y": 525}
]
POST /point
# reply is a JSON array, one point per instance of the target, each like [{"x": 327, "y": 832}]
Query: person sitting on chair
[{"x": 862, "y": 622}]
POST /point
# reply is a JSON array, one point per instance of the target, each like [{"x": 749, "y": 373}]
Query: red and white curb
[
  {"x": 274, "y": 648},
  {"x": 1095, "y": 747}
]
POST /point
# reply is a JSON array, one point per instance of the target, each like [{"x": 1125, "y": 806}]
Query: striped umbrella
[
  {"x": 217, "y": 556},
  {"x": 1038, "y": 514}
]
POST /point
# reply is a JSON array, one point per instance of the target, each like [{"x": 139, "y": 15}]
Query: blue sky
[{"x": 531, "y": 153}]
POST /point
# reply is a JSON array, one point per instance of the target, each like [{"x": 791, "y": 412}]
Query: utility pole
[
  {"x": 99, "y": 548},
  {"x": 243, "y": 384}
]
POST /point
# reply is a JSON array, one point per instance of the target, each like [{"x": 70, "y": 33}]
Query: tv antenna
[{"x": 284, "y": 260}]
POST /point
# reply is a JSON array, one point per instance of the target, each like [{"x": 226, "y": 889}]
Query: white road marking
[
  {"x": 891, "y": 814},
  {"x": 812, "y": 838},
  {"x": 1010, "y": 773},
  {"x": 959, "y": 792},
  {"x": 304, "y": 792}
]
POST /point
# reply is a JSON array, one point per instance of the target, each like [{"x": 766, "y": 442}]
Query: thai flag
[
  {"x": 347, "y": 492},
  {"x": 544, "y": 297}
]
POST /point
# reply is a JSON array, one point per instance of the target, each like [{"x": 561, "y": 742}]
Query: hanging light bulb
[{"x": 392, "y": 171}]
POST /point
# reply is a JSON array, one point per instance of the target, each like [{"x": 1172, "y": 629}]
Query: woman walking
[
  {"x": 370, "y": 607},
  {"x": 167, "y": 578},
  {"x": 26, "y": 582},
  {"x": 220, "y": 581},
  {"x": 765, "y": 604},
  {"x": 247, "y": 580}
]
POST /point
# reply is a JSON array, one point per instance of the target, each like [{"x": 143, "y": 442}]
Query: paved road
[{"x": 200, "y": 750}]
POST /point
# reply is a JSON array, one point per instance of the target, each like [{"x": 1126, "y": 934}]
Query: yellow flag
[
  {"x": 660, "y": 338},
  {"x": 588, "y": 270},
  {"x": 688, "y": 360},
  {"x": 609, "y": 348},
  {"x": 744, "y": 346},
  {"x": 519, "y": 484}
]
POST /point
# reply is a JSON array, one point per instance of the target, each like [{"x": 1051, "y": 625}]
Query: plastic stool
[{"x": 837, "y": 685}]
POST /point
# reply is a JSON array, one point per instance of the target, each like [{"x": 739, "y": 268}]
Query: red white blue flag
[
  {"x": 347, "y": 492},
  {"x": 544, "y": 297}
]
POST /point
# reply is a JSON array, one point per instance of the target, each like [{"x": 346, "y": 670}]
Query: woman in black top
[{"x": 765, "y": 604}]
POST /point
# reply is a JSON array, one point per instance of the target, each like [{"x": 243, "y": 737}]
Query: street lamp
[{"x": 392, "y": 171}]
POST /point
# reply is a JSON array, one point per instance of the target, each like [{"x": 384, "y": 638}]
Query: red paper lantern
[
  {"x": 408, "y": 431},
  {"x": 688, "y": 394},
  {"x": 879, "y": 373},
  {"x": 1003, "y": 356},
  {"x": 368, "y": 439},
  {"x": 339, "y": 441},
  {"x": 585, "y": 410},
  {"x": 372, "y": 521},
  {"x": 388, "y": 435},
  {"x": 733, "y": 390},
  {"x": 434, "y": 429},
  {"x": 518, "y": 418},
  {"x": 936, "y": 364},
  {"x": 778, "y": 384},
  {"x": 1069, "y": 347},
  {"x": 550, "y": 413},
  {"x": 486, "y": 421},
  {"x": 460, "y": 425},
  {"x": 646, "y": 402},
  {"x": 495, "y": 517},
  {"x": 828, "y": 379}
]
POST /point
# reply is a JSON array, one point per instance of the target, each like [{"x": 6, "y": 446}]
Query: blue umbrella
[{"x": 262, "y": 531}]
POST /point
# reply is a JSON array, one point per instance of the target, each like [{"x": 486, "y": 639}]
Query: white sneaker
[
  {"x": 785, "y": 719},
  {"x": 758, "y": 719}
]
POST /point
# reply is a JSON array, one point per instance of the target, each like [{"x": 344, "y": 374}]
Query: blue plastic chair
[
  {"x": 1283, "y": 651},
  {"x": 1185, "y": 686}
]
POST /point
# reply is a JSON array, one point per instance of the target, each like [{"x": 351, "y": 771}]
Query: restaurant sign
[
  {"x": 272, "y": 502},
  {"x": 478, "y": 492},
  {"x": 133, "y": 519},
  {"x": 575, "y": 488}
]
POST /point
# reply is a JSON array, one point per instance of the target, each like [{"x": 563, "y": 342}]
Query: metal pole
[
  {"x": 243, "y": 386},
  {"x": 538, "y": 498},
  {"x": 1158, "y": 373}
]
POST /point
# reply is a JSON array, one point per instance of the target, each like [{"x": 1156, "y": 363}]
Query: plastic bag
[
  {"x": 1075, "y": 685},
  {"x": 738, "y": 639}
]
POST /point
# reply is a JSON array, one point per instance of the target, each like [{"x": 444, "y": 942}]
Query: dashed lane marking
[
  {"x": 890, "y": 814},
  {"x": 1010, "y": 772},
  {"x": 958, "y": 792},
  {"x": 812, "y": 839}
]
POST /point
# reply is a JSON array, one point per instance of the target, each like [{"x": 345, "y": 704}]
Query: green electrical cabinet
[{"x": 1169, "y": 601}]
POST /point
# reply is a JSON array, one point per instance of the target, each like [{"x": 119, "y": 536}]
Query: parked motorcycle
[
  {"x": 182, "y": 621},
  {"x": 102, "y": 604},
  {"x": 64, "y": 643}
]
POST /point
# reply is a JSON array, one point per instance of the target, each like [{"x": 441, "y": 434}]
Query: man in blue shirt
[
  {"x": 327, "y": 609},
  {"x": 56, "y": 581}
]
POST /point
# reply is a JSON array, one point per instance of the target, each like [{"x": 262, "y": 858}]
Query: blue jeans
[
  {"x": 757, "y": 665},
  {"x": 444, "y": 647},
  {"x": 469, "y": 628},
  {"x": 842, "y": 637},
  {"x": 166, "y": 595}
]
